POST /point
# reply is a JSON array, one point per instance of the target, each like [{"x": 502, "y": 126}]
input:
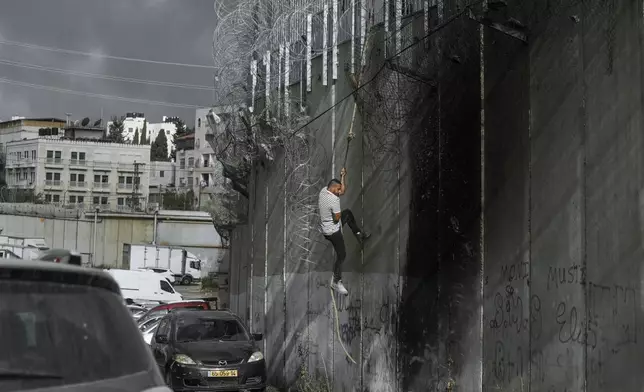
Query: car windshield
[
  {"x": 55, "y": 334},
  {"x": 149, "y": 323},
  {"x": 151, "y": 314},
  {"x": 192, "y": 329}
]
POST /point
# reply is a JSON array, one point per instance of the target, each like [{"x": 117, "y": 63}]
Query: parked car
[
  {"x": 208, "y": 349},
  {"x": 62, "y": 256},
  {"x": 166, "y": 308},
  {"x": 161, "y": 271},
  {"x": 144, "y": 286},
  {"x": 66, "y": 328},
  {"x": 137, "y": 311},
  {"x": 149, "y": 327}
]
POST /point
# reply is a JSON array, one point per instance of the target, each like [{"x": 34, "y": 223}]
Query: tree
[
  {"x": 144, "y": 133},
  {"x": 182, "y": 130},
  {"x": 135, "y": 139},
  {"x": 173, "y": 200},
  {"x": 159, "y": 148},
  {"x": 116, "y": 130}
]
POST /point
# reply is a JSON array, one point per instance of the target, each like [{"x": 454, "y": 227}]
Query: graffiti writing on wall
[
  {"x": 511, "y": 313},
  {"x": 612, "y": 309},
  {"x": 560, "y": 276},
  {"x": 515, "y": 272}
]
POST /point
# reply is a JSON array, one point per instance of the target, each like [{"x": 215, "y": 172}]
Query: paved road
[{"x": 192, "y": 291}]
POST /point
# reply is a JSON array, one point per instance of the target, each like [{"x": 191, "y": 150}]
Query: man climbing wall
[{"x": 332, "y": 218}]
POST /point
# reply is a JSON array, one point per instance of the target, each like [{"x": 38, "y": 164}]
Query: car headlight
[
  {"x": 183, "y": 359},
  {"x": 257, "y": 356}
]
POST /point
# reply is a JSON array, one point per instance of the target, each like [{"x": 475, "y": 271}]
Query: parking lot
[{"x": 192, "y": 291}]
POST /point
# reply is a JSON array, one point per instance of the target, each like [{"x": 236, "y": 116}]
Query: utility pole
[{"x": 135, "y": 186}]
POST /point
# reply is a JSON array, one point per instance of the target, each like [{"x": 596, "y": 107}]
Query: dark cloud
[{"x": 161, "y": 30}]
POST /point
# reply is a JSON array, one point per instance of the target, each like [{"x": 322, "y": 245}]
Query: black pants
[{"x": 337, "y": 240}]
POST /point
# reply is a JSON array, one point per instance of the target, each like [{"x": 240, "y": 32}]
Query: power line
[
  {"x": 103, "y": 76},
  {"x": 105, "y": 56},
  {"x": 95, "y": 95}
]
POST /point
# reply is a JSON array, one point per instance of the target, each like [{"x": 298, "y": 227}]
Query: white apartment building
[
  {"x": 137, "y": 121},
  {"x": 208, "y": 177},
  {"x": 24, "y": 128},
  {"x": 112, "y": 176}
]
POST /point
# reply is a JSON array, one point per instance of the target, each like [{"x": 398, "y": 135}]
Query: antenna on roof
[
  {"x": 85, "y": 121},
  {"x": 98, "y": 122}
]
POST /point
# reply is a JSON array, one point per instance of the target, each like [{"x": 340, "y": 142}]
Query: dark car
[
  {"x": 208, "y": 350},
  {"x": 63, "y": 256},
  {"x": 64, "y": 327},
  {"x": 166, "y": 308}
]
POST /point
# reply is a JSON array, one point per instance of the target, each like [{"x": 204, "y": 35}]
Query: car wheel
[
  {"x": 168, "y": 379},
  {"x": 186, "y": 280}
]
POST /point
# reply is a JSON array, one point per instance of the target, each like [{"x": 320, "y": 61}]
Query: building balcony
[
  {"x": 53, "y": 183},
  {"x": 78, "y": 184},
  {"x": 127, "y": 167},
  {"x": 23, "y": 185},
  {"x": 79, "y": 163},
  {"x": 101, "y": 186},
  {"x": 126, "y": 186},
  {"x": 54, "y": 161}
]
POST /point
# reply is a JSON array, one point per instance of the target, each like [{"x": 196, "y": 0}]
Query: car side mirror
[
  {"x": 258, "y": 337},
  {"x": 161, "y": 339}
]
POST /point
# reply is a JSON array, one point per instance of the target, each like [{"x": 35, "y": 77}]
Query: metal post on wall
[
  {"x": 154, "y": 229},
  {"x": 94, "y": 240}
]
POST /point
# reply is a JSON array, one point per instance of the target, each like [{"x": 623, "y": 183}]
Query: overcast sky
[{"x": 161, "y": 30}]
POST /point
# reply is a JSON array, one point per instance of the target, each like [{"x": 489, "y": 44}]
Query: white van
[{"x": 144, "y": 286}]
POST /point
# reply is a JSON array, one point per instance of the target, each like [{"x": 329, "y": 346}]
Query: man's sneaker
[
  {"x": 339, "y": 287},
  {"x": 363, "y": 236}
]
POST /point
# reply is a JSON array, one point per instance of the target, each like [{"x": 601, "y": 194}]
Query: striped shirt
[{"x": 328, "y": 205}]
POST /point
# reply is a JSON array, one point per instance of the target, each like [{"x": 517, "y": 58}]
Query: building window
[
  {"x": 19, "y": 155},
  {"x": 52, "y": 178},
  {"x": 198, "y": 123},
  {"x": 120, "y": 201},
  {"x": 72, "y": 199},
  {"x": 182, "y": 163},
  {"x": 76, "y": 179},
  {"x": 161, "y": 173},
  {"x": 205, "y": 160},
  {"x": 189, "y": 182},
  {"x": 56, "y": 198},
  {"x": 54, "y": 156},
  {"x": 100, "y": 200},
  {"x": 191, "y": 162},
  {"x": 48, "y": 198},
  {"x": 80, "y": 199},
  {"x": 130, "y": 130},
  {"x": 32, "y": 176},
  {"x": 78, "y": 157},
  {"x": 33, "y": 155}
]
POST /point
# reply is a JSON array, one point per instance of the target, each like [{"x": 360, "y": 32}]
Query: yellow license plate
[{"x": 222, "y": 373}]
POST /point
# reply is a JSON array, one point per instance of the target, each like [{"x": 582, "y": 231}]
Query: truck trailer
[
  {"x": 184, "y": 266},
  {"x": 28, "y": 248}
]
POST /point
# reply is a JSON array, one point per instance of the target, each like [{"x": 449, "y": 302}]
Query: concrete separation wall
[
  {"x": 563, "y": 237},
  {"x": 508, "y": 265}
]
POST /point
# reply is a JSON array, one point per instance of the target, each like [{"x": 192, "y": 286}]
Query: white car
[{"x": 163, "y": 271}]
